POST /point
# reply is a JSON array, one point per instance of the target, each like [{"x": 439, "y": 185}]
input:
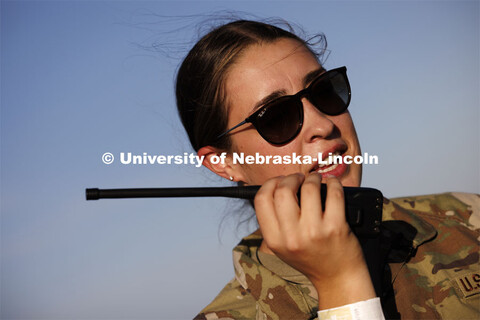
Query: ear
[{"x": 220, "y": 162}]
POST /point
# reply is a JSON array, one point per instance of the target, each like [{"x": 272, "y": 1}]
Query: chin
[
  {"x": 353, "y": 178},
  {"x": 349, "y": 183}
]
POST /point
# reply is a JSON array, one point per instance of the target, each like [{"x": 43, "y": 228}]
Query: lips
[
  {"x": 336, "y": 170},
  {"x": 330, "y": 166},
  {"x": 328, "y": 161}
]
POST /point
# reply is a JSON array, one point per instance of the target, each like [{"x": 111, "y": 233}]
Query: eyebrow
[
  {"x": 312, "y": 75},
  {"x": 309, "y": 77},
  {"x": 272, "y": 96}
]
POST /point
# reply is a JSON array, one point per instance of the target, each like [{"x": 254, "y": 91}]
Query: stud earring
[{"x": 231, "y": 178}]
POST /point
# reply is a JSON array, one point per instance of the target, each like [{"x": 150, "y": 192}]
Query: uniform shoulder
[
  {"x": 233, "y": 302},
  {"x": 464, "y": 207},
  {"x": 438, "y": 280}
]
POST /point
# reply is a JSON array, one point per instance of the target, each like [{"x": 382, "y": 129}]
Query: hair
[{"x": 201, "y": 77}]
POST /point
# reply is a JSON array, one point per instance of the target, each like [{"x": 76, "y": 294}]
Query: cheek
[
  {"x": 257, "y": 174},
  {"x": 347, "y": 130},
  {"x": 348, "y": 133}
]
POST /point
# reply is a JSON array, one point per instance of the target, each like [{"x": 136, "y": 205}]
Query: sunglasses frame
[{"x": 297, "y": 101}]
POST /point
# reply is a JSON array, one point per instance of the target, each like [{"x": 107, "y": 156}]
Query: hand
[{"x": 316, "y": 242}]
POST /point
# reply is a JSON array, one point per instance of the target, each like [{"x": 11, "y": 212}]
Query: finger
[
  {"x": 310, "y": 200},
  {"x": 265, "y": 207},
  {"x": 286, "y": 201},
  {"x": 335, "y": 203}
]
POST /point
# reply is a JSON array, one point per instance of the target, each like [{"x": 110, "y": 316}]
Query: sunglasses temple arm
[{"x": 238, "y": 125}]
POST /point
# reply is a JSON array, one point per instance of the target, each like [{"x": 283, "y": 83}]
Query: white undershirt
[{"x": 362, "y": 310}]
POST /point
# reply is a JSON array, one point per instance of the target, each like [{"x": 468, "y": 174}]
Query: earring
[{"x": 231, "y": 178}]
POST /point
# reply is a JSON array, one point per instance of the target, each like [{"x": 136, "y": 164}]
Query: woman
[{"x": 248, "y": 87}]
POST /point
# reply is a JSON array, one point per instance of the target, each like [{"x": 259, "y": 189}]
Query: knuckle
[
  {"x": 314, "y": 177},
  {"x": 282, "y": 192},
  {"x": 310, "y": 187},
  {"x": 297, "y": 175},
  {"x": 293, "y": 246},
  {"x": 265, "y": 191},
  {"x": 336, "y": 231},
  {"x": 273, "y": 244},
  {"x": 335, "y": 193},
  {"x": 260, "y": 197},
  {"x": 315, "y": 233}
]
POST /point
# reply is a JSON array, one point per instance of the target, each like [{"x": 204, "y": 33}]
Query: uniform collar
[
  {"x": 410, "y": 225},
  {"x": 274, "y": 294}
]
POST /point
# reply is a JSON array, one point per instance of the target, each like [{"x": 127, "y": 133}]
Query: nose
[{"x": 316, "y": 125}]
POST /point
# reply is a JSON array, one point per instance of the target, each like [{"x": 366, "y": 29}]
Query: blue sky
[{"x": 79, "y": 79}]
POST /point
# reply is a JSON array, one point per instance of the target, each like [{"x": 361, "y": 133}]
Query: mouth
[
  {"x": 331, "y": 164},
  {"x": 327, "y": 164}
]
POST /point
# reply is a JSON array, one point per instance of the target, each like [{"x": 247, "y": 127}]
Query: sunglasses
[{"x": 280, "y": 121}]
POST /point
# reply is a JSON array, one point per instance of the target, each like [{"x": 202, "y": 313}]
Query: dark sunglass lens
[
  {"x": 331, "y": 93},
  {"x": 280, "y": 121}
]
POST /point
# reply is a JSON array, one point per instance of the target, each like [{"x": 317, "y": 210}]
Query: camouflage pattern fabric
[{"x": 440, "y": 280}]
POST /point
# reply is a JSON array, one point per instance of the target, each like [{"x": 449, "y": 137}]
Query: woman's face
[{"x": 283, "y": 67}]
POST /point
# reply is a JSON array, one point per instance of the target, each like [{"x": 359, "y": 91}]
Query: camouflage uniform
[{"x": 439, "y": 279}]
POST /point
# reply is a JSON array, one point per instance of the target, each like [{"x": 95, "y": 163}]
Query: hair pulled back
[{"x": 200, "y": 80}]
